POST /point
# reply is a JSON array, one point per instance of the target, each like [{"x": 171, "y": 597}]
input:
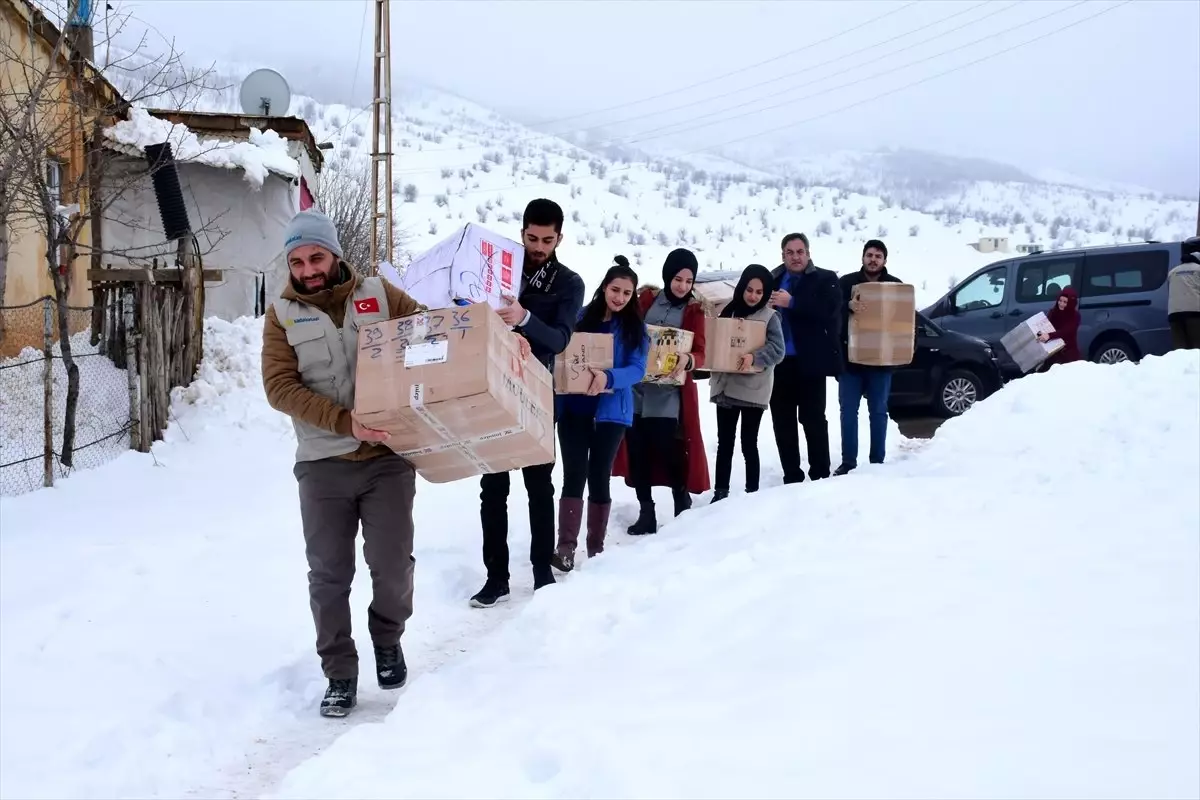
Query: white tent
[{"x": 239, "y": 196}]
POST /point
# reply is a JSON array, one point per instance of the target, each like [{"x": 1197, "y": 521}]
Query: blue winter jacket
[{"x": 628, "y": 369}]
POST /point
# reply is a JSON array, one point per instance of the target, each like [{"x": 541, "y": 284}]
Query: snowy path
[{"x": 156, "y": 637}]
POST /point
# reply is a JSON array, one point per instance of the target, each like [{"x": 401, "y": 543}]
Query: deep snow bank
[{"x": 1013, "y": 612}]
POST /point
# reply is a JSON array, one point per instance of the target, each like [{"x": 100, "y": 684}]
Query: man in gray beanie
[{"x": 347, "y": 476}]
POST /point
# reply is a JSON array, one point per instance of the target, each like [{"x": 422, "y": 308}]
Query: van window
[
  {"x": 1120, "y": 273},
  {"x": 1042, "y": 279},
  {"x": 985, "y": 290}
]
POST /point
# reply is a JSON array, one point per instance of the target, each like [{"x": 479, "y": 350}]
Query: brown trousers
[
  {"x": 335, "y": 496},
  {"x": 1185, "y": 330}
]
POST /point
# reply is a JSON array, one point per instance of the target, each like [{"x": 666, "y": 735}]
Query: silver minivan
[{"x": 1122, "y": 297}]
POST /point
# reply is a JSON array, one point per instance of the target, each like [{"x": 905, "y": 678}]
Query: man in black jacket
[
  {"x": 858, "y": 379},
  {"x": 544, "y": 313},
  {"x": 809, "y": 303}
]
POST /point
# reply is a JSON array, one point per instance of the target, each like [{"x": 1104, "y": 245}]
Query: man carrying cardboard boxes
[
  {"x": 346, "y": 475},
  {"x": 856, "y": 379},
  {"x": 544, "y": 312}
]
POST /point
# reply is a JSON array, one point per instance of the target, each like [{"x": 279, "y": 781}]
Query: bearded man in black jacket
[{"x": 544, "y": 312}]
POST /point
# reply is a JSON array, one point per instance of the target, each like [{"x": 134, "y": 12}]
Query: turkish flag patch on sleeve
[{"x": 369, "y": 305}]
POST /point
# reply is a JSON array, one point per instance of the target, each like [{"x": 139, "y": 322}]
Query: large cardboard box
[
  {"x": 450, "y": 387},
  {"x": 727, "y": 339},
  {"x": 1023, "y": 346},
  {"x": 585, "y": 351},
  {"x": 884, "y": 333},
  {"x": 667, "y": 346},
  {"x": 474, "y": 265}
]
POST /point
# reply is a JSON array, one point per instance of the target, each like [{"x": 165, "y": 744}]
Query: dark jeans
[
  {"x": 799, "y": 398},
  {"x": 649, "y": 439},
  {"x": 336, "y": 496},
  {"x": 727, "y": 420},
  {"x": 588, "y": 450},
  {"x": 876, "y": 385},
  {"x": 493, "y": 512}
]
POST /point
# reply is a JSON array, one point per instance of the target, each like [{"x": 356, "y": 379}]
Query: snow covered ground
[{"x": 1011, "y": 609}]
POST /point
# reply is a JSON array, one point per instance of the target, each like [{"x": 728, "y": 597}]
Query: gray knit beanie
[{"x": 311, "y": 227}]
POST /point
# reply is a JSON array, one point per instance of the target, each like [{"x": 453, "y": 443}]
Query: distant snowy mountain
[{"x": 457, "y": 161}]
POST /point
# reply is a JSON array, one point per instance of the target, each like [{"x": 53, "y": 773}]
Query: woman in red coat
[
  {"x": 1065, "y": 319},
  {"x": 665, "y": 447}
]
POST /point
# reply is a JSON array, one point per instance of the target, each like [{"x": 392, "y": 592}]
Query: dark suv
[
  {"x": 1122, "y": 298},
  {"x": 949, "y": 371}
]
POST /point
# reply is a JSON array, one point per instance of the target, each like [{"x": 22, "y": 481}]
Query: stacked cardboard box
[
  {"x": 883, "y": 334},
  {"x": 727, "y": 339},
  {"x": 473, "y": 265},
  {"x": 716, "y": 295},
  {"x": 1022, "y": 343},
  {"x": 667, "y": 347},
  {"x": 585, "y": 352},
  {"x": 452, "y": 390}
]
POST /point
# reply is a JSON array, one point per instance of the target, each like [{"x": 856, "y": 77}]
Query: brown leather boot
[
  {"x": 597, "y": 526},
  {"x": 570, "y": 518}
]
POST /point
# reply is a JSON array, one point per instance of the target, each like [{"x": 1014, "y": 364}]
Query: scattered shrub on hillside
[
  {"x": 562, "y": 178},
  {"x": 693, "y": 211},
  {"x": 482, "y": 214},
  {"x": 952, "y": 281},
  {"x": 824, "y": 228},
  {"x": 881, "y": 232},
  {"x": 441, "y": 200},
  {"x": 576, "y": 191},
  {"x": 662, "y": 239},
  {"x": 575, "y": 216},
  {"x": 433, "y": 229},
  {"x": 591, "y": 238},
  {"x": 914, "y": 230},
  {"x": 637, "y": 238},
  {"x": 615, "y": 187},
  {"x": 410, "y": 193}
]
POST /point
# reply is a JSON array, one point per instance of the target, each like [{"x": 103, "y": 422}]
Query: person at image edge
[
  {"x": 346, "y": 475},
  {"x": 544, "y": 313}
]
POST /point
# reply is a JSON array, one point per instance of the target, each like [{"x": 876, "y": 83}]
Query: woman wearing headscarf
[
  {"x": 665, "y": 447},
  {"x": 591, "y": 426},
  {"x": 746, "y": 394},
  {"x": 1065, "y": 318}
]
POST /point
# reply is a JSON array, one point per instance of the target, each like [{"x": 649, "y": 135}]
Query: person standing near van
[
  {"x": 858, "y": 380},
  {"x": 592, "y": 426},
  {"x": 1183, "y": 303},
  {"x": 665, "y": 446},
  {"x": 544, "y": 313},
  {"x": 809, "y": 302},
  {"x": 1064, "y": 317},
  {"x": 745, "y": 394}
]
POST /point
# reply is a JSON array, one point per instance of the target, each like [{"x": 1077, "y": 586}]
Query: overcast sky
[{"x": 1116, "y": 97}]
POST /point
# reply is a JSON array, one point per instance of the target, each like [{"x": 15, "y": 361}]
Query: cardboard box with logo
[
  {"x": 727, "y": 339},
  {"x": 474, "y": 265},
  {"x": 1021, "y": 343},
  {"x": 667, "y": 347},
  {"x": 884, "y": 333},
  {"x": 451, "y": 388},
  {"x": 585, "y": 351}
]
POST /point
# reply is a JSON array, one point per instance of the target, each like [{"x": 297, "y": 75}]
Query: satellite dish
[{"x": 265, "y": 92}]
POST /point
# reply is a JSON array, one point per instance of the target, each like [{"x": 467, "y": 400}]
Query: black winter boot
[
  {"x": 646, "y": 521},
  {"x": 390, "y": 669},
  {"x": 683, "y": 500},
  {"x": 340, "y": 697},
  {"x": 719, "y": 495},
  {"x": 493, "y": 591},
  {"x": 542, "y": 576}
]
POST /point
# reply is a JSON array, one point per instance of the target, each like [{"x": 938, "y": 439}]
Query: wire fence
[{"x": 34, "y": 393}]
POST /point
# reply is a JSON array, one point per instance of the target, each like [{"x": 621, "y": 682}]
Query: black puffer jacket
[{"x": 816, "y": 320}]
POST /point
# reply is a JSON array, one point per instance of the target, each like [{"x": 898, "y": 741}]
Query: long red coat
[{"x": 695, "y": 459}]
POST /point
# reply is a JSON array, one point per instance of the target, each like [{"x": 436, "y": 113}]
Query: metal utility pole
[{"x": 381, "y": 110}]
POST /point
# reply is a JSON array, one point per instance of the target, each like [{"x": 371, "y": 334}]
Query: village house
[
  {"x": 52, "y": 73},
  {"x": 242, "y": 178}
]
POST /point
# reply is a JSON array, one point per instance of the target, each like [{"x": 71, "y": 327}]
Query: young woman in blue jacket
[{"x": 591, "y": 426}]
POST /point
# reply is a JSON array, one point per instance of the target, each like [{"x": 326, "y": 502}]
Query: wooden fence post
[
  {"x": 47, "y": 393},
  {"x": 125, "y": 297}
]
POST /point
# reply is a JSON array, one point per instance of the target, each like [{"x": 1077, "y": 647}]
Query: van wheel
[
  {"x": 1114, "y": 351},
  {"x": 960, "y": 389}
]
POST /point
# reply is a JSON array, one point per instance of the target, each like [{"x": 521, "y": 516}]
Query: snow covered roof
[{"x": 265, "y": 151}]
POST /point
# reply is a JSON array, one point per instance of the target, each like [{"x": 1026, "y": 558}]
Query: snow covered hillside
[
  {"x": 459, "y": 162},
  {"x": 1010, "y": 609}
]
